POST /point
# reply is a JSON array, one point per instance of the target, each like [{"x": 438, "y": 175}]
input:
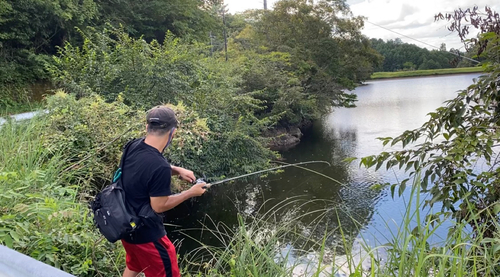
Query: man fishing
[{"x": 146, "y": 181}]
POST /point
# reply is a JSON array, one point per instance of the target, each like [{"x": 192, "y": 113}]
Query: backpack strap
[{"x": 118, "y": 173}]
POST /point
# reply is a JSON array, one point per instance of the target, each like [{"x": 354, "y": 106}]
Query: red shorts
[{"x": 154, "y": 259}]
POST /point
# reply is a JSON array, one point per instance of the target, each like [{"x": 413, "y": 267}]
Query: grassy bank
[{"x": 430, "y": 72}]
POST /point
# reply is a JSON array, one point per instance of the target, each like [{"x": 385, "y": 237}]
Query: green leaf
[
  {"x": 393, "y": 188},
  {"x": 402, "y": 187},
  {"x": 14, "y": 235},
  {"x": 496, "y": 208},
  {"x": 349, "y": 159},
  {"x": 7, "y": 240},
  {"x": 495, "y": 248}
]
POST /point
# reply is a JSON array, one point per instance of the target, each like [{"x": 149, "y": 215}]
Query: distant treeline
[{"x": 400, "y": 56}]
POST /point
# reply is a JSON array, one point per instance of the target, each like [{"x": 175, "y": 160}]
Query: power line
[{"x": 420, "y": 41}]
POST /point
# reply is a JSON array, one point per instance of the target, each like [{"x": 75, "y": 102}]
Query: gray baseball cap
[{"x": 161, "y": 117}]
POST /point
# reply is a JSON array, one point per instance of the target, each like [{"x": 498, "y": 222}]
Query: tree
[
  {"x": 32, "y": 29},
  {"x": 442, "y": 47},
  {"x": 429, "y": 64},
  {"x": 152, "y": 19},
  {"x": 409, "y": 66},
  {"x": 459, "y": 136},
  {"x": 41, "y": 25},
  {"x": 331, "y": 48}
]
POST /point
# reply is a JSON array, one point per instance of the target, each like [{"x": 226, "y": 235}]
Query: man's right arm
[{"x": 164, "y": 203}]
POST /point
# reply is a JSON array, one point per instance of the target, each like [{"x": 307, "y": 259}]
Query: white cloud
[
  {"x": 236, "y": 6},
  {"x": 412, "y": 18}
]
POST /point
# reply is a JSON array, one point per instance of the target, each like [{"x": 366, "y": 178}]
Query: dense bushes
[
  {"x": 147, "y": 74},
  {"x": 91, "y": 133},
  {"x": 52, "y": 165},
  {"x": 32, "y": 30},
  {"x": 254, "y": 87}
]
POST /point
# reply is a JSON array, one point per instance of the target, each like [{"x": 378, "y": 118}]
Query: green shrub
[
  {"x": 142, "y": 75},
  {"x": 91, "y": 133}
]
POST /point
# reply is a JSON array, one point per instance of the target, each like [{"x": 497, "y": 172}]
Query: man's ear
[{"x": 170, "y": 136}]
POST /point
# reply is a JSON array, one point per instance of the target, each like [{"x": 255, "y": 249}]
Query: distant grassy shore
[{"x": 430, "y": 72}]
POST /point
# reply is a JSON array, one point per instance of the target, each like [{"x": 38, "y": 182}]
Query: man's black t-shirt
[{"x": 146, "y": 173}]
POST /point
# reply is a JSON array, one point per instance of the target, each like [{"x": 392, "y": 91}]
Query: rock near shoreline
[{"x": 284, "y": 138}]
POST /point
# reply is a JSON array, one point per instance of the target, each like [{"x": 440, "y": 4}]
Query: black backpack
[{"x": 113, "y": 216}]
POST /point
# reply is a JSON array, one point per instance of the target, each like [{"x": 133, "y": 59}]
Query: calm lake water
[{"x": 384, "y": 108}]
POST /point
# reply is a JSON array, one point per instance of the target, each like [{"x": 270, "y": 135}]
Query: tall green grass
[
  {"x": 42, "y": 214},
  {"x": 275, "y": 244},
  {"x": 428, "y": 72}
]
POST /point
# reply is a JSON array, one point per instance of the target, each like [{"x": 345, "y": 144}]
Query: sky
[{"x": 412, "y": 18}]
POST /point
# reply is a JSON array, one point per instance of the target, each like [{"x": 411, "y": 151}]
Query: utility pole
[
  {"x": 211, "y": 44},
  {"x": 265, "y": 5},
  {"x": 224, "y": 23}
]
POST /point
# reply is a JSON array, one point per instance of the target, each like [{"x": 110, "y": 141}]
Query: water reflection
[
  {"x": 385, "y": 108},
  {"x": 38, "y": 91},
  {"x": 349, "y": 201}
]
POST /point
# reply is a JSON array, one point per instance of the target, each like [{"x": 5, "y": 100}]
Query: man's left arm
[{"x": 184, "y": 174}]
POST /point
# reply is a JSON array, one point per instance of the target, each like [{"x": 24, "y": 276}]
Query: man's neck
[{"x": 156, "y": 142}]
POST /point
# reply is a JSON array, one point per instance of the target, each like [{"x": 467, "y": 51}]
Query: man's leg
[
  {"x": 154, "y": 259},
  {"x": 168, "y": 257},
  {"x": 132, "y": 268},
  {"x": 129, "y": 273}
]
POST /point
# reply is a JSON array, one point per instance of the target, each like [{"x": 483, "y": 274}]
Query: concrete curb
[
  {"x": 22, "y": 116},
  {"x": 15, "y": 264}
]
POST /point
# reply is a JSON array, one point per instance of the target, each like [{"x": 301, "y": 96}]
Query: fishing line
[
  {"x": 327, "y": 177},
  {"x": 336, "y": 181},
  {"x": 208, "y": 185},
  {"x": 313, "y": 171},
  {"x": 417, "y": 40}
]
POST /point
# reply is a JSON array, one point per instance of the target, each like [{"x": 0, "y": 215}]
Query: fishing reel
[
  {"x": 202, "y": 180},
  {"x": 199, "y": 180}
]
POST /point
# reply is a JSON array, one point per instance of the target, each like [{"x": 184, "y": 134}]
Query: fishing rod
[{"x": 208, "y": 185}]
